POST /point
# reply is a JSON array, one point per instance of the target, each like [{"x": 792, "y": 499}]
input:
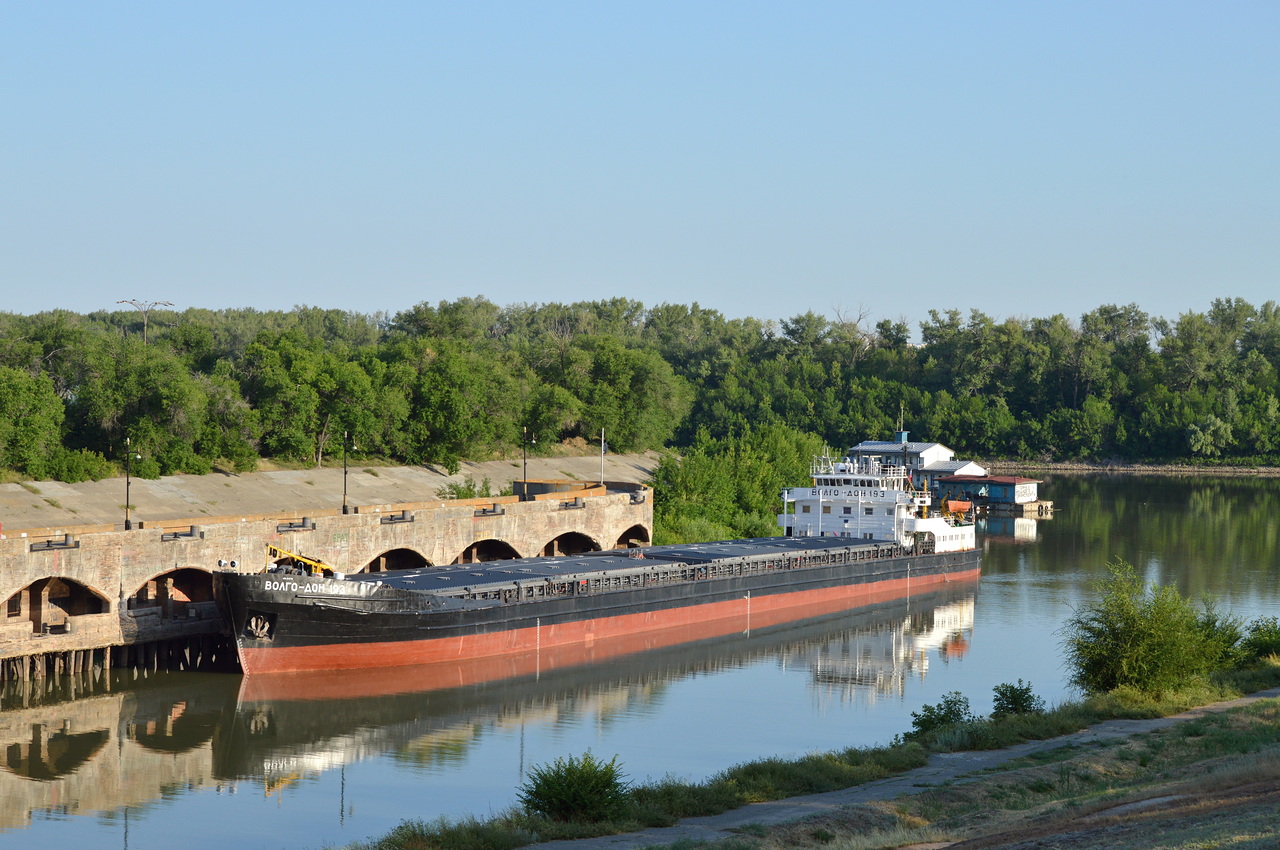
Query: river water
[{"x": 209, "y": 761}]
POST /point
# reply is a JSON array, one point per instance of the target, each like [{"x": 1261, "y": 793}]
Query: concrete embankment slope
[{"x": 46, "y": 504}]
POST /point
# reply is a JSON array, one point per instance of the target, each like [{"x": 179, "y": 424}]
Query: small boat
[{"x": 858, "y": 536}]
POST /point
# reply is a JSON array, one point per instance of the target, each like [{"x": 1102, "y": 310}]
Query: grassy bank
[
  {"x": 665, "y": 802},
  {"x": 1209, "y": 782}
]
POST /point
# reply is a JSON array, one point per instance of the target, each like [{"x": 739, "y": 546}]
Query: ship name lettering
[{"x": 849, "y": 494}]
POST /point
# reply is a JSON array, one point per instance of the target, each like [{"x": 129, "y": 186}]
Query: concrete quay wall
[{"x": 73, "y": 589}]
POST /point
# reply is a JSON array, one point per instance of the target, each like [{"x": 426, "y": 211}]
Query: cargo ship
[{"x": 859, "y": 535}]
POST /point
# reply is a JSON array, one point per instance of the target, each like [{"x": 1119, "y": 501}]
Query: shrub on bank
[
  {"x": 1011, "y": 699},
  {"x": 576, "y": 789},
  {"x": 1146, "y": 637},
  {"x": 952, "y": 711},
  {"x": 1262, "y": 639}
]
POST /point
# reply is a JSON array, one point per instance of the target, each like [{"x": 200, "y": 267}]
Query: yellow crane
[{"x": 311, "y": 565}]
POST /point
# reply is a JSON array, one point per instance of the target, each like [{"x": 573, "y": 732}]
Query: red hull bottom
[{"x": 586, "y": 641}]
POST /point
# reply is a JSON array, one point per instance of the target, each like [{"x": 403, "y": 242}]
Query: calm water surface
[{"x": 217, "y": 761}]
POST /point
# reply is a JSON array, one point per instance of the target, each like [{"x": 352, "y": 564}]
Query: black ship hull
[{"x": 601, "y": 604}]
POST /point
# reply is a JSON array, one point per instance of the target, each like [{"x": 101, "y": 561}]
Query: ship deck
[{"x": 563, "y": 566}]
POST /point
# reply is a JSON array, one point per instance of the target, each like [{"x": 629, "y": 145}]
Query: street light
[
  {"x": 345, "y": 509},
  {"x": 144, "y": 307},
  {"x": 128, "y": 480},
  {"x": 524, "y": 449}
]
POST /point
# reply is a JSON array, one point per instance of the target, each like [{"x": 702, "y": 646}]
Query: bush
[
  {"x": 1149, "y": 638},
  {"x": 584, "y": 789},
  {"x": 76, "y": 466},
  {"x": 953, "y": 710},
  {"x": 1013, "y": 699},
  {"x": 1262, "y": 639}
]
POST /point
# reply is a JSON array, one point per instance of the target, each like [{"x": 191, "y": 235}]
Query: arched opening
[
  {"x": 397, "y": 559},
  {"x": 174, "y": 595},
  {"x": 52, "y": 752},
  {"x": 633, "y": 537},
  {"x": 487, "y": 550},
  {"x": 571, "y": 543},
  {"x": 51, "y": 604},
  {"x": 178, "y": 728}
]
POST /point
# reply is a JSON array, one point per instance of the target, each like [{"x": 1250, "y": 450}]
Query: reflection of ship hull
[
  {"x": 310, "y": 721},
  {"x": 592, "y": 606}
]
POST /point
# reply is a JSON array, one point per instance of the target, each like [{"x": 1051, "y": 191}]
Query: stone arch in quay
[
  {"x": 571, "y": 543},
  {"x": 50, "y": 605}
]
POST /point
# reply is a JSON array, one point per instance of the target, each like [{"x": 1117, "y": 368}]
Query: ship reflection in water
[
  {"x": 877, "y": 661},
  {"x": 79, "y": 747}
]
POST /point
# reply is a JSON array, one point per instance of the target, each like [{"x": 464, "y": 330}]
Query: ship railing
[{"x": 895, "y": 476}]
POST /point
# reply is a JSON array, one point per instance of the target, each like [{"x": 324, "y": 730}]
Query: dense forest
[{"x": 460, "y": 379}]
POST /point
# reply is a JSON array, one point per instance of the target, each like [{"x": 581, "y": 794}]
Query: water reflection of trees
[{"x": 1203, "y": 534}]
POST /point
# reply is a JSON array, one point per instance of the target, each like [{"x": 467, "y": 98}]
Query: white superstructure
[{"x": 866, "y": 499}]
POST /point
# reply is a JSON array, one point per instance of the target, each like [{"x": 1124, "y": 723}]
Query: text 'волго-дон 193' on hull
[{"x": 884, "y": 545}]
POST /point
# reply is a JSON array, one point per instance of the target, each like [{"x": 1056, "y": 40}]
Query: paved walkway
[
  {"x": 942, "y": 768},
  {"x": 49, "y": 504}
]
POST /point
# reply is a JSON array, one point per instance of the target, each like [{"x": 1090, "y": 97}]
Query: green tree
[{"x": 31, "y": 417}]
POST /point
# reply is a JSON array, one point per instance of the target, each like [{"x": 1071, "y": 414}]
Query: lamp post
[
  {"x": 144, "y": 307},
  {"x": 345, "y": 509},
  {"x": 128, "y": 481},
  {"x": 524, "y": 450}
]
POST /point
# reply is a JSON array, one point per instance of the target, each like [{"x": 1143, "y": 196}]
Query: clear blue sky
[{"x": 763, "y": 159}]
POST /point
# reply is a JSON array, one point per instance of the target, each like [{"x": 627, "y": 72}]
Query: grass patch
[
  {"x": 371, "y": 471},
  {"x": 1215, "y": 752},
  {"x": 29, "y": 487},
  {"x": 776, "y": 778}
]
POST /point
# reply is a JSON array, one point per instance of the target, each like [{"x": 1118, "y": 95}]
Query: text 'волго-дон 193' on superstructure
[{"x": 861, "y": 533}]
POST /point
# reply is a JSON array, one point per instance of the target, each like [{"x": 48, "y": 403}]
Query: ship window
[
  {"x": 804, "y": 509},
  {"x": 868, "y": 511},
  {"x": 848, "y": 509},
  {"x": 888, "y": 511},
  {"x": 826, "y": 509}
]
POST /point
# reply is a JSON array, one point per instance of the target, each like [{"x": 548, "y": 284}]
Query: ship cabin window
[
  {"x": 848, "y": 509},
  {"x": 868, "y": 511},
  {"x": 804, "y": 509},
  {"x": 888, "y": 511},
  {"x": 826, "y": 509}
]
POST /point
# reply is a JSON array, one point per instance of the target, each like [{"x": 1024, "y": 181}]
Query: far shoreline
[{"x": 1120, "y": 467}]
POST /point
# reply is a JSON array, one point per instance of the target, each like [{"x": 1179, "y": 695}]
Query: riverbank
[
  {"x": 1110, "y": 755},
  {"x": 1209, "y": 774},
  {"x": 1030, "y": 469}
]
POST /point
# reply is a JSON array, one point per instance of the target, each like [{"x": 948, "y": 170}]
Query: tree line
[{"x": 436, "y": 383}]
